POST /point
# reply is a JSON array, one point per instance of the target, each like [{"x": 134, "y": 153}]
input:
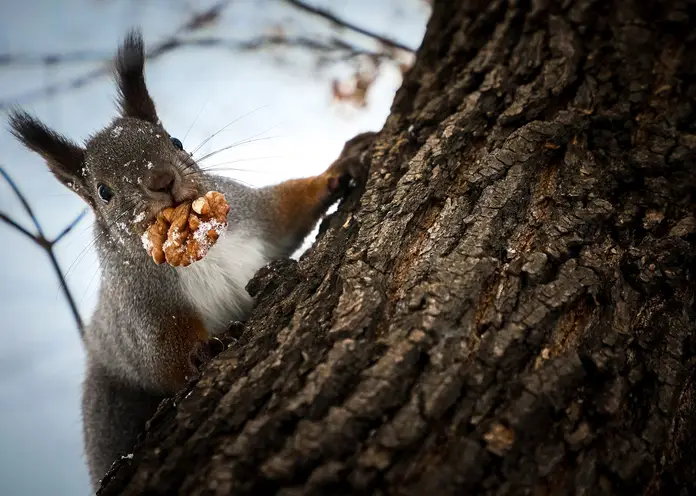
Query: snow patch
[
  {"x": 201, "y": 234},
  {"x": 147, "y": 244},
  {"x": 174, "y": 238}
]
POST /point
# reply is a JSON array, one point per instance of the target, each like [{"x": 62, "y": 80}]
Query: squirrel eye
[
  {"x": 177, "y": 143},
  {"x": 105, "y": 193}
]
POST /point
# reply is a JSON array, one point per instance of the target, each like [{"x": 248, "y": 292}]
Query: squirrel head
[{"x": 128, "y": 171}]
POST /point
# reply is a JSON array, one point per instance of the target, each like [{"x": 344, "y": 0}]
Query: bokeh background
[{"x": 297, "y": 86}]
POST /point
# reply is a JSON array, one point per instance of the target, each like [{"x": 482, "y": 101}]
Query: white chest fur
[{"x": 215, "y": 285}]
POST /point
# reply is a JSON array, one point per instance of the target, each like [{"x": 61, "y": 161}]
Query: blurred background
[{"x": 293, "y": 79}]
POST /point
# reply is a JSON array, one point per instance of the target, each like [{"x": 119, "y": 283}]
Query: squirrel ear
[
  {"x": 65, "y": 158},
  {"x": 134, "y": 99}
]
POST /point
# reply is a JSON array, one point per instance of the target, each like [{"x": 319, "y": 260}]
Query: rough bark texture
[{"x": 507, "y": 308}]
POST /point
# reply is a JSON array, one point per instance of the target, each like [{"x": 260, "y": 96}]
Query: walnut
[{"x": 183, "y": 234}]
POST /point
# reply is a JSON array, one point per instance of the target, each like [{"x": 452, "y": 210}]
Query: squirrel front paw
[
  {"x": 204, "y": 351},
  {"x": 351, "y": 167},
  {"x": 300, "y": 203}
]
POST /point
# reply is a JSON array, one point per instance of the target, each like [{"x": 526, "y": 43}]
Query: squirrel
[{"x": 155, "y": 325}]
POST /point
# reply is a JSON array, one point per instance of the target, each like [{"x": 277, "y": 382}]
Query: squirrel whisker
[
  {"x": 225, "y": 127},
  {"x": 238, "y": 143},
  {"x": 83, "y": 253}
]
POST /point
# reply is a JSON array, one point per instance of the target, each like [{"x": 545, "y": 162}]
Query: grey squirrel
[{"x": 155, "y": 324}]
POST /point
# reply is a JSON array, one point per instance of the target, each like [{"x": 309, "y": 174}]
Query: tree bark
[{"x": 507, "y": 307}]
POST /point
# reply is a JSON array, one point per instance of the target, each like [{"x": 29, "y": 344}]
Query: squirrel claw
[
  {"x": 351, "y": 168},
  {"x": 204, "y": 351}
]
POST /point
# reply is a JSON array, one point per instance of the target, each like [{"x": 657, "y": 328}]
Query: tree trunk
[{"x": 507, "y": 308}]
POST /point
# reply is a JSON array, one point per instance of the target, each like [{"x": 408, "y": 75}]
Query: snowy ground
[{"x": 41, "y": 359}]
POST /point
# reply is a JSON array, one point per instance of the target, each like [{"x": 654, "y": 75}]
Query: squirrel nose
[{"x": 160, "y": 180}]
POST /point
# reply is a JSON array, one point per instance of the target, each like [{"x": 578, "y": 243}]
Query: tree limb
[
  {"x": 340, "y": 23},
  {"x": 333, "y": 45},
  {"x": 22, "y": 199},
  {"x": 70, "y": 226},
  {"x": 12, "y": 223},
  {"x": 48, "y": 245}
]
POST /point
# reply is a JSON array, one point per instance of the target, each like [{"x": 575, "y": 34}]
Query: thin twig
[
  {"x": 70, "y": 226},
  {"x": 341, "y": 23},
  {"x": 341, "y": 48},
  {"x": 23, "y": 200},
  {"x": 48, "y": 59},
  {"x": 48, "y": 245},
  {"x": 333, "y": 45},
  {"x": 12, "y": 223}
]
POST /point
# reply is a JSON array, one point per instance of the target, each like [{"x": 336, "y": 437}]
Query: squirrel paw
[
  {"x": 204, "y": 351},
  {"x": 350, "y": 169}
]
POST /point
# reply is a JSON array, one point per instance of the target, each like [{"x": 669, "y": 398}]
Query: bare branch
[
  {"x": 197, "y": 21},
  {"x": 70, "y": 227},
  {"x": 335, "y": 46},
  {"x": 23, "y": 200},
  {"x": 55, "y": 88},
  {"x": 66, "y": 292},
  {"x": 340, "y": 23},
  {"x": 52, "y": 58},
  {"x": 12, "y": 223},
  {"x": 204, "y": 18},
  {"x": 340, "y": 48},
  {"x": 44, "y": 243}
]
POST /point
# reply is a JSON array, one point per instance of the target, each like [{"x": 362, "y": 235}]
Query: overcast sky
[{"x": 41, "y": 358}]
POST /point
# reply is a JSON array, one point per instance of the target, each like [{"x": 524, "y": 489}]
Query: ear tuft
[
  {"x": 134, "y": 99},
  {"x": 65, "y": 158}
]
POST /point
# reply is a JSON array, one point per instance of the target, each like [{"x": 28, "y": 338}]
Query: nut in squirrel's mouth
[
  {"x": 167, "y": 186},
  {"x": 183, "y": 234},
  {"x": 182, "y": 195}
]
